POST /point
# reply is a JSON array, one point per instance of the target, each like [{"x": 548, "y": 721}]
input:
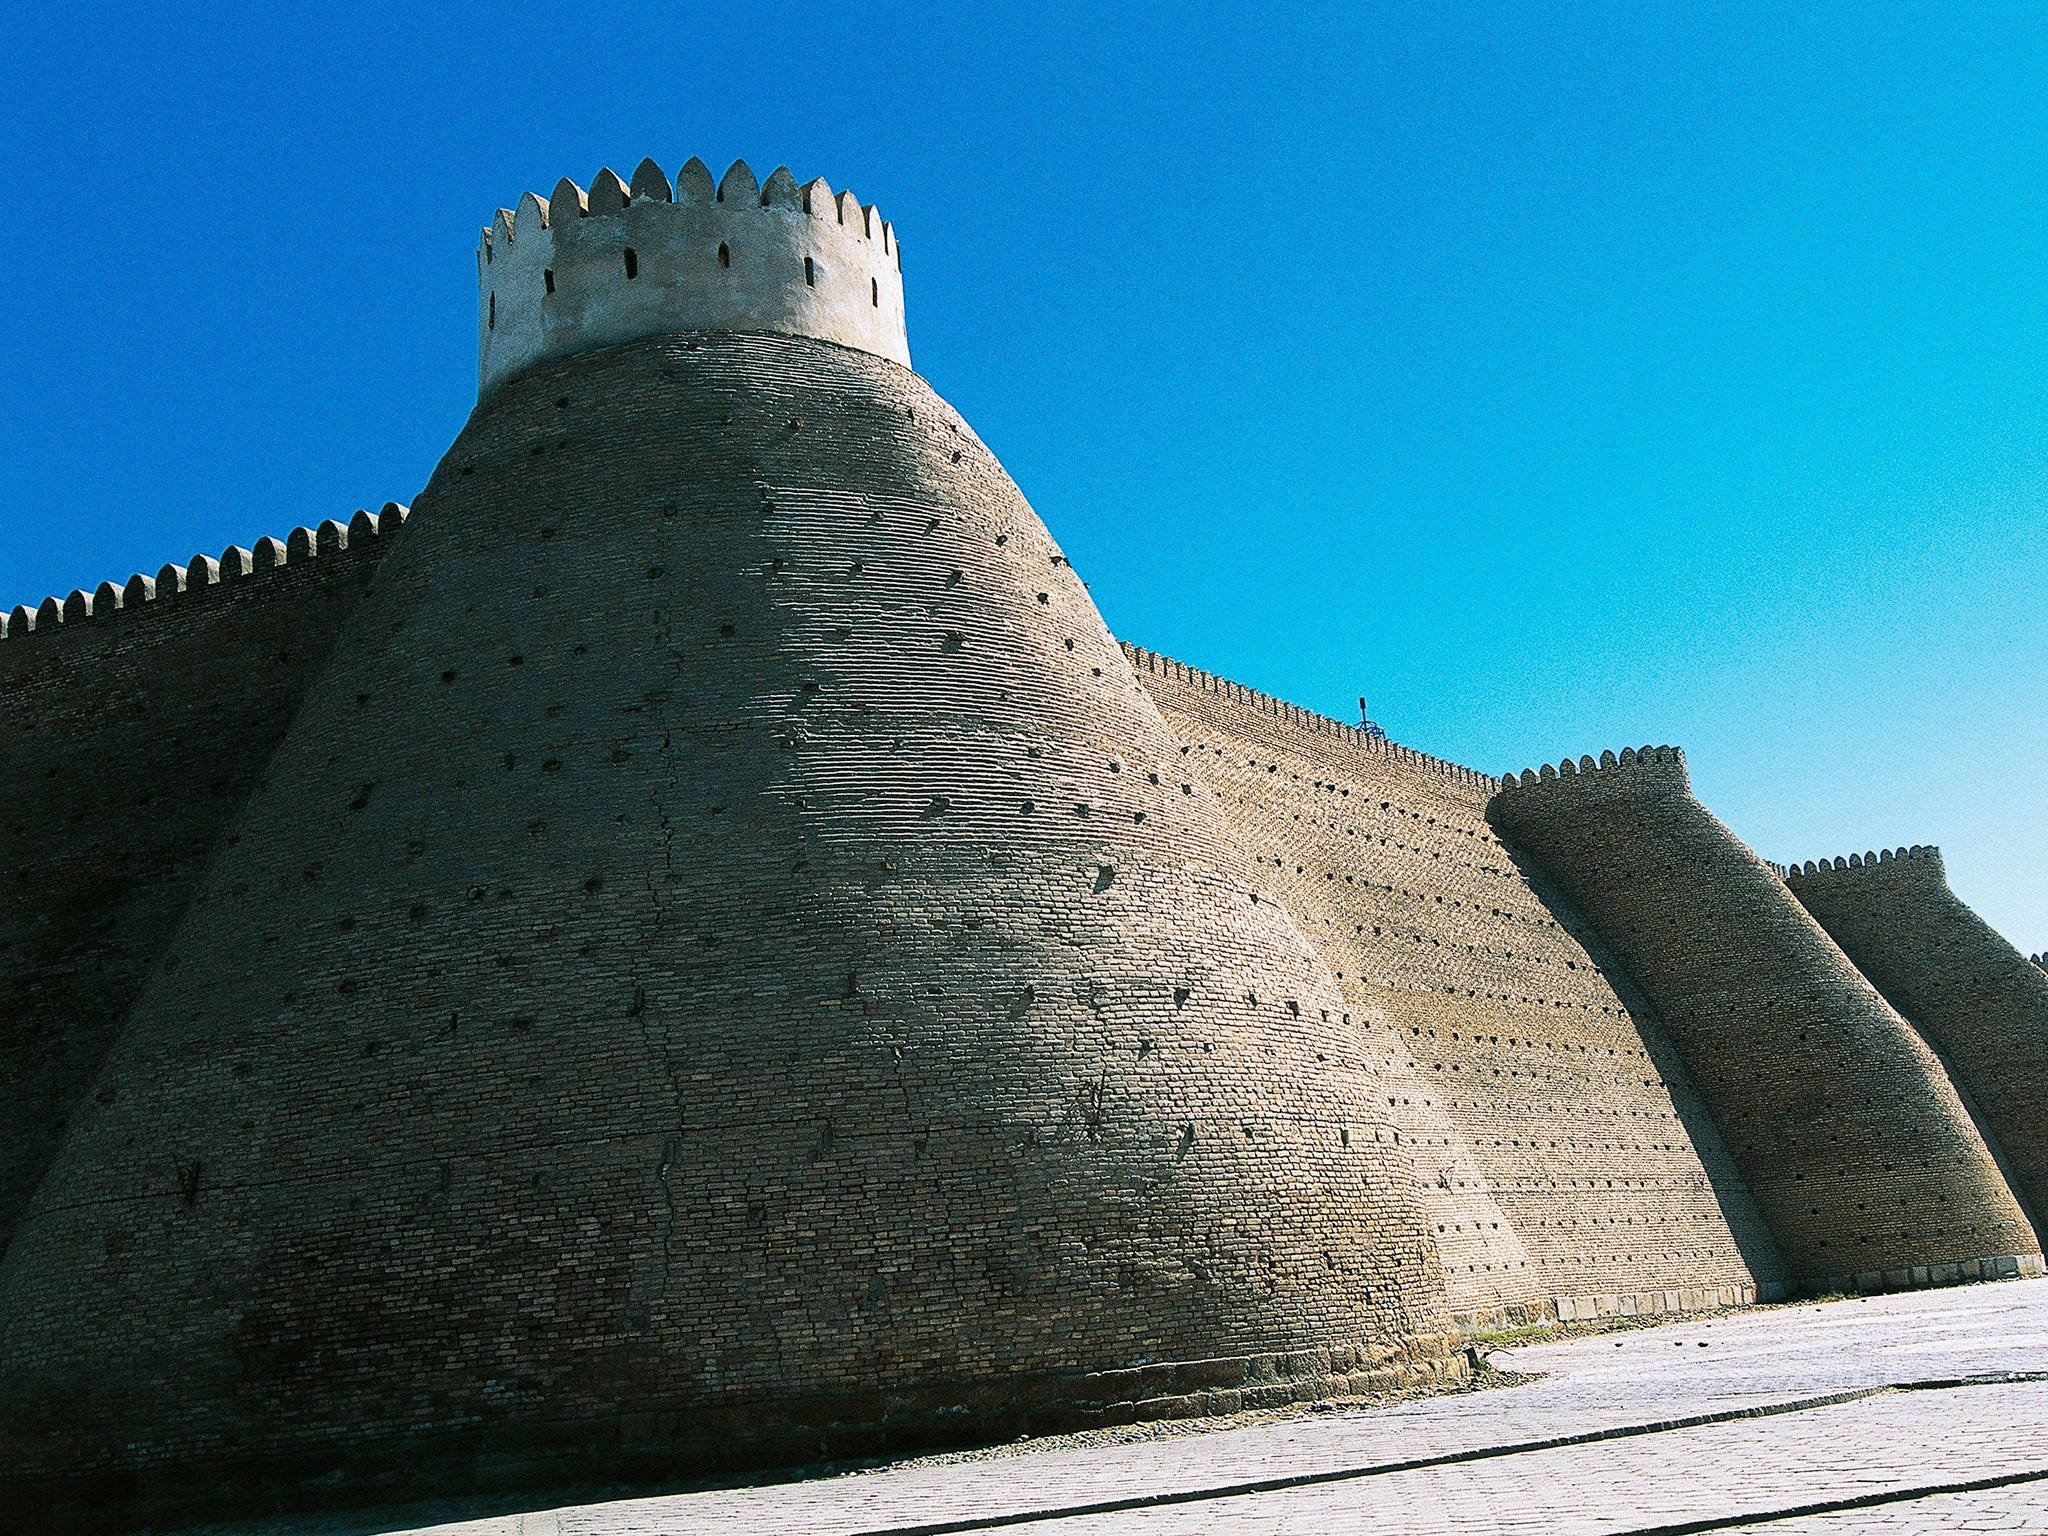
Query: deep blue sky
[{"x": 1558, "y": 377}]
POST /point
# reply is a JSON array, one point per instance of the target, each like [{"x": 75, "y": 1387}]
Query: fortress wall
[
  {"x": 1567, "y": 1162},
  {"x": 725, "y": 968},
  {"x": 136, "y": 721},
  {"x": 1980, "y": 1002},
  {"x": 1843, "y": 1124}
]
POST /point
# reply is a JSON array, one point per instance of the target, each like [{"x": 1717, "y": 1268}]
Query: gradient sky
[{"x": 1558, "y": 377}]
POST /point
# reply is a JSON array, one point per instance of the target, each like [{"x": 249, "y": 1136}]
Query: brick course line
[{"x": 1496, "y": 1452}]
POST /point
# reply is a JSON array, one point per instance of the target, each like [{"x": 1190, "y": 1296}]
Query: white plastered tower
[{"x": 579, "y": 271}]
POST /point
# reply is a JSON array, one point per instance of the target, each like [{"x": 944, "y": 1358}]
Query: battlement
[
  {"x": 195, "y": 580},
  {"x": 582, "y": 270},
  {"x": 1294, "y": 716},
  {"x": 1915, "y": 863},
  {"x": 1635, "y": 768}
]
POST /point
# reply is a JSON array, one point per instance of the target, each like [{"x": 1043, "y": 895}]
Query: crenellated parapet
[
  {"x": 1636, "y": 769},
  {"x": 202, "y": 578},
  {"x": 581, "y": 270},
  {"x": 1297, "y": 718},
  {"x": 1917, "y": 864}
]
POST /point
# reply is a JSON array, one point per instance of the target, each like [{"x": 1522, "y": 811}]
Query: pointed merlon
[
  {"x": 501, "y": 230},
  {"x": 298, "y": 545},
  {"x": 568, "y": 201},
  {"x": 170, "y": 580},
  {"x": 780, "y": 192},
  {"x": 738, "y": 184},
  {"x": 331, "y": 538},
  {"x": 140, "y": 589},
  {"x": 106, "y": 599},
  {"x": 649, "y": 181},
  {"x": 608, "y": 194},
  {"x": 363, "y": 526},
  {"x": 817, "y": 196},
  {"x": 693, "y": 183},
  {"x": 529, "y": 218},
  {"x": 848, "y": 204}
]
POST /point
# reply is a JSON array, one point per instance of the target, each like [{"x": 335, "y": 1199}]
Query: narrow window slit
[
  {"x": 875, "y": 292},
  {"x": 632, "y": 263},
  {"x": 724, "y": 255},
  {"x": 810, "y": 274},
  {"x": 492, "y": 323},
  {"x": 548, "y": 276}
]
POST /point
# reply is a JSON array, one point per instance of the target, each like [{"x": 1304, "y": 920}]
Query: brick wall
[
  {"x": 1846, "y": 1129},
  {"x": 728, "y": 965},
  {"x": 1562, "y": 1151},
  {"x": 1980, "y": 1002},
  {"x": 135, "y": 724}
]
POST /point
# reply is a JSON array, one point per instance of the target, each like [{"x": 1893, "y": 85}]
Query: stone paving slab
[
  {"x": 1716, "y": 1472},
  {"x": 1604, "y": 1383},
  {"x": 2007, "y": 1509}
]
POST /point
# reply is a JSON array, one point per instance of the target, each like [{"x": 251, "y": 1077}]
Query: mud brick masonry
[{"x": 694, "y": 948}]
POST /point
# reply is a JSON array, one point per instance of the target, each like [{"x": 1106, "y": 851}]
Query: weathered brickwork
[
  {"x": 1561, "y": 1150},
  {"x": 1980, "y": 1002},
  {"x": 133, "y": 722},
  {"x": 728, "y": 964},
  {"x": 705, "y": 953},
  {"x": 1843, "y": 1124}
]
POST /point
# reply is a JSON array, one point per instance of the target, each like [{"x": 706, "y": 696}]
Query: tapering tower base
[{"x": 727, "y": 966}]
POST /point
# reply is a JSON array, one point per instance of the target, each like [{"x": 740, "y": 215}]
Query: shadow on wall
[{"x": 1745, "y": 1223}]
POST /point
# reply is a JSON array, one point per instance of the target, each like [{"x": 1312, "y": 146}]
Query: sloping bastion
[{"x": 692, "y": 948}]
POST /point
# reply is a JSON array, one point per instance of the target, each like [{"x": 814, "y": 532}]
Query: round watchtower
[{"x": 582, "y": 270}]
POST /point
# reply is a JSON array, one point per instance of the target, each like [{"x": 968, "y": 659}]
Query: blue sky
[{"x": 1559, "y": 377}]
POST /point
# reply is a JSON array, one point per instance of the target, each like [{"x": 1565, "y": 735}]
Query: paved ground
[{"x": 1896, "y": 1414}]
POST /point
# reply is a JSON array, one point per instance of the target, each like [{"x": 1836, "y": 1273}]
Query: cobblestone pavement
[{"x": 1831, "y": 1419}]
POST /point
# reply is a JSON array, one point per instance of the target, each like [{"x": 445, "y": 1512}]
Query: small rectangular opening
[
  {"x": 632, "y": 263},
  {"x": 810, "y": 274},
  {"x": 492, "y": 323},
  {"x": 724, "y": 256},
  {"x": 548, "y": 276},
  {"x": 875, "y": 292}
]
